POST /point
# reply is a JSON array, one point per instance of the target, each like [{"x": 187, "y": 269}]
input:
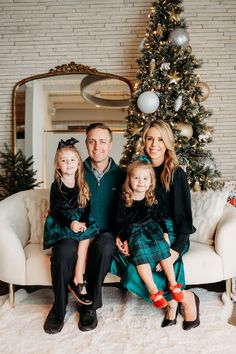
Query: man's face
[{"x": 99, "y": 144}]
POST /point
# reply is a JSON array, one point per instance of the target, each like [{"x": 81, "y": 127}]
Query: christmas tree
[
  {"x": 169, "y": 88},
  {"x": 18, "y": 173}
]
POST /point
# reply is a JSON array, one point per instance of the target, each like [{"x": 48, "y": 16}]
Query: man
[{"x": 105, "y": 180}]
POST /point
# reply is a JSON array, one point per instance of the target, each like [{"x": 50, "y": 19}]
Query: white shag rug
[{"x": 126, "y": 325}]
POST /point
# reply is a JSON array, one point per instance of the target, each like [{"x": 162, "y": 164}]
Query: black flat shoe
[
  {"x": 88, "y": 319},
  {"x": 187, "y": 325},
  {"x": 76, "y": 291},
  {"x": 166, "y": 322},
  {"x": 53, "y": 323}
]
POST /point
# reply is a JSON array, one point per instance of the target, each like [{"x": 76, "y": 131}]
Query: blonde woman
[{"x": 173, "y": 195}]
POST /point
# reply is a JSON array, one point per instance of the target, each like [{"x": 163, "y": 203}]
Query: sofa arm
[
  {"x": 225, "y": 241},
  {"x": 12, "y": 256}
]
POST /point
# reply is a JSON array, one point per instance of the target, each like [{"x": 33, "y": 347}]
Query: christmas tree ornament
[
  {"x": 179, "y": 37},
  {"x": 209, "y": 165},
  {"x": 205, "y": 90},
  {"x": 152, "y": 66},
  {"x": 142, "y": 45},
  {"x": 148, "y": 102},
  {"x": 136, "y": 130},
  {"x": 173, "y": 15},
  {"x": 196, "y": 187},
  {"x": 178, "y": 103},
  {"x": 185, "y": 129},
  {"x": 203, "y": 137},
  {"x": 159, "y": 30},
  {"x": 174, "y": 78},
  {"x": 165, "y": 66}
]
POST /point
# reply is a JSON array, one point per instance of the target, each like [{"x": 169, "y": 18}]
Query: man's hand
[
  {"x": 122, "y": 246},
  {"x": 77, "y": 226}
]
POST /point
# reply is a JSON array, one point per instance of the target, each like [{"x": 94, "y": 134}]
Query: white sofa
[{"x": 23, "y": 261}]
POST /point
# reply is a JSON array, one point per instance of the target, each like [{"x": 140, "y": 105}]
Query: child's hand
[
  {"x": 77, "y": 226},
  {"x": 159, "y": 267},
  {"x": 122, "y": 246},
  {"x": 166, "y": 237}
]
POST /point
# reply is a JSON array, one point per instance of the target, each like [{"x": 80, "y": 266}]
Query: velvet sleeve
[
  {"x": 58, "y": 206},
  {"x": 87, "y": 216},
  {"x": 181, "y": 210}
]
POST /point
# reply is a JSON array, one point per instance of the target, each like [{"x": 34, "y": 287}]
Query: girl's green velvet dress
[
  {"x": 63, "y": 210},
  {"x": 176, "y": 208}
]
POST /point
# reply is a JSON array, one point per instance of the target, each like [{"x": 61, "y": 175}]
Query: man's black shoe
[
  {"x": 53, "y": 323},
  {"x": 88, "y": 319}
]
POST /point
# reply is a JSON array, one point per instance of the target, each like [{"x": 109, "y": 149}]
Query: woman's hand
[
  {"x": 123, "y": 247},
  {"x": 77, "y": 226}
]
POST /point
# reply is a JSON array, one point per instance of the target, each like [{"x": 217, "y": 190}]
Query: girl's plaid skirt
[{"x": 147, "y": 244}]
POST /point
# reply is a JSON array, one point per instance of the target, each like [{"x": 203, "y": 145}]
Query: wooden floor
[{"x": 219, "y": 287}]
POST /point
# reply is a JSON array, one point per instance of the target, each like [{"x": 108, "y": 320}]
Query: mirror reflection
[{"x": 58, "y": 105}]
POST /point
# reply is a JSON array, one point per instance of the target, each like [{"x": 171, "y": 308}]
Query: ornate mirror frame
[{"x": 66, "y": 69}]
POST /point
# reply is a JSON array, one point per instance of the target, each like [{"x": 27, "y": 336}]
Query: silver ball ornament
[
  {"x": 179, "y": 37},
  {"x": 148, "y": 102}
]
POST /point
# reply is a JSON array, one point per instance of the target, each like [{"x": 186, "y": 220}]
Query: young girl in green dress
[
  {"x": 69, "y": 215},
  {"x": 142, "y": 233}
]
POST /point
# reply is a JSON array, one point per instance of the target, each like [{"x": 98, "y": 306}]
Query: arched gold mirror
[{"x": 62, "y": 103}]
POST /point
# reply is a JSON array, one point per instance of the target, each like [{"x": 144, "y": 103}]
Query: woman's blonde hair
[
  {"x": 79, "y": 175},
  {"x": 127, "y": 190},
  {"x": 171, "y": 162}
]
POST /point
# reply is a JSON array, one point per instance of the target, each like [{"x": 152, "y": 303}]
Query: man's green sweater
[{"x": 104, "y": 194}]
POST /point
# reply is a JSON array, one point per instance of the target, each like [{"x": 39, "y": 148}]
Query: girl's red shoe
[
  {"x": 160, "y": 303},
  {"x": 176, "y": 295}
]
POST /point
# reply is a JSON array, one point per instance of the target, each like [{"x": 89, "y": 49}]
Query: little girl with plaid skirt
[{"x": 142, "y": 233}]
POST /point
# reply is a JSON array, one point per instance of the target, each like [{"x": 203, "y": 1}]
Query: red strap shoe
[
  {"x": 160, "y": 303},
  {"x": 176, "y": 295}
]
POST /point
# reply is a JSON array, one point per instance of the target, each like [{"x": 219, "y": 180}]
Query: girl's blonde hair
[
  {"x": 79, "y": 175},
  {"x": 127, "y": 190},
  {"x": 171, "y": 162}
]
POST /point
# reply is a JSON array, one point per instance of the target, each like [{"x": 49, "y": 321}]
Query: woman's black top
[{"x": 176, "y": 205}]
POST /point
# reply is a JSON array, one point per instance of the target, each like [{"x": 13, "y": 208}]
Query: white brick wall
[{"x": 38, "y": 35}]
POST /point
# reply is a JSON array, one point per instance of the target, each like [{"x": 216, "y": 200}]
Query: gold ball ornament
[
  {"x": 204, "y": 89},
  {"x": 185, "y": 129}
]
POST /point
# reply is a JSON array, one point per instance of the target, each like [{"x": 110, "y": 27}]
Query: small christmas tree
[
  {"x": 18, "y": 174},
  {"x": 169, "y": 89}
]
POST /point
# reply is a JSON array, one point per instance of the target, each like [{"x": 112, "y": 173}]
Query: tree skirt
[{"x": 126, "y": 324}]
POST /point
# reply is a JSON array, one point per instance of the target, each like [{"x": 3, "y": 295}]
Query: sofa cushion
[
  {"x": 37, "y": 205},
  {"x": 207, "y": 209},
  {"x": 201, "y": 264},
  {"x": 37, "y": 268}
]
